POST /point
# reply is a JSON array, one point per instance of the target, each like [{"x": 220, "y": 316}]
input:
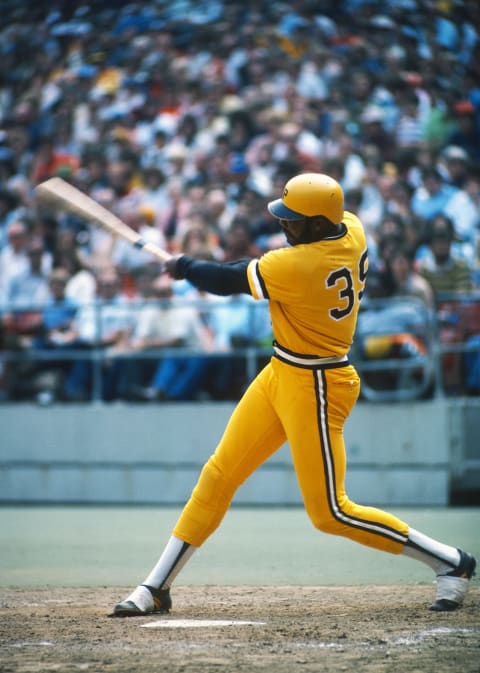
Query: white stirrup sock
[
  {"x": 440, "y": 557},
  {"x": 142, "y": 598},
  {"x": 174, "y": 557}
]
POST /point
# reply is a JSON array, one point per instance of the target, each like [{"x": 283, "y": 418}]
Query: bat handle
[{"x": 153, "y": 249}]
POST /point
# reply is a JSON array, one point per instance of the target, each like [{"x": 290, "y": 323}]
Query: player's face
[{"x": 293, "y": 230}]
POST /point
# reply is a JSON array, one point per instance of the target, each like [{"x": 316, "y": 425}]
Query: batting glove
[{"x": 173, "y": 268}]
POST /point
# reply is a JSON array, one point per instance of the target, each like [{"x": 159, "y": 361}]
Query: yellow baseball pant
[{"x": 308, "y": 405}]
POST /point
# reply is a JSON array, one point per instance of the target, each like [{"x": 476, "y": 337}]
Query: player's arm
[{"x": 214, "y": 277}]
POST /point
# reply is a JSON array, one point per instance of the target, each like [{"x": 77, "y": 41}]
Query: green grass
[{"x": 117, "y": 546}]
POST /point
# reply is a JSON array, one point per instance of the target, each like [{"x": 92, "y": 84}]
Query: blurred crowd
[{"x": 185, "y": 118}]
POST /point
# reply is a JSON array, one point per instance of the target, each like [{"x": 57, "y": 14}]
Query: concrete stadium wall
[{"x": 399, "y": 454}]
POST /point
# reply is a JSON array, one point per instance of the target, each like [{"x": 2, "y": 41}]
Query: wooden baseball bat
[{"x": 74, "y": 200}]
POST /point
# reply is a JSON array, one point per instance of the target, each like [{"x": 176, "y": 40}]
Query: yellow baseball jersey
[{"x": 314, "y": 290}]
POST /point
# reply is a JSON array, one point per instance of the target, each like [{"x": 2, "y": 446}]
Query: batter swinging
[{"x": 304, "y": 395}]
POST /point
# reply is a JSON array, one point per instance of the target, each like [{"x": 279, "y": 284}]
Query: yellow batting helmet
[{"x": 307, "y": 195}]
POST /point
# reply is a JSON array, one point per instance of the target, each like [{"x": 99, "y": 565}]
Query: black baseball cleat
[
  {"x": 452, "y": 587},
  {"x": 141, "y": 603}
]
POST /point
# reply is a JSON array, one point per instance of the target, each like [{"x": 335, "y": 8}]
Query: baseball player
[{"x": 304, "y": 395}]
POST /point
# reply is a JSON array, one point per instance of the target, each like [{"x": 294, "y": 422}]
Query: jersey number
[{"x": 342, "y": 278}]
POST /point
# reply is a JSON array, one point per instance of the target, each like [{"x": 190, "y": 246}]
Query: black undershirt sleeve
[{"x": 214, "y": 277}]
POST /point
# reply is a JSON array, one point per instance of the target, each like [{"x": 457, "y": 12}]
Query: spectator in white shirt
[
  {"x": 105, "y": 324},
  {"x": 171, "y": 323},
  {"x": 13, "y": 257}
]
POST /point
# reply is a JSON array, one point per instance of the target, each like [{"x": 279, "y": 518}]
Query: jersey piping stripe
[
  {"x": 258, "y": 282},
  {"x": 329, "y": 466}
]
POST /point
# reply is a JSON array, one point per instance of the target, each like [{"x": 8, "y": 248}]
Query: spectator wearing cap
[
  {"x": 450, "y": 279},
  {"x": 454, "y": 165},
  {"x": 130, "y": 260},
  {"x": 467, "y": 131},
  {"x": 237, "y": 176},
  {"x": 374, "y": 133},
  {"x": 155, "y": 191},
  {"x": 441, "y": 268},
  {"x": 176, "y": 155}
]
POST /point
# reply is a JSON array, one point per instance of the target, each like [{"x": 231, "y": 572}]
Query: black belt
[{"x": 308, "y": 361}]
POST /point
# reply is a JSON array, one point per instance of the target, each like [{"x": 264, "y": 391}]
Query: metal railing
[
  {"x": 437, "y": 364},
  {"x": 246, "y": 346},
  {"x": 414, "y": 369}
]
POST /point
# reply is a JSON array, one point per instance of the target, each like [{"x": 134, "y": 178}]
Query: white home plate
[{"x": 196, "y": 623}]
